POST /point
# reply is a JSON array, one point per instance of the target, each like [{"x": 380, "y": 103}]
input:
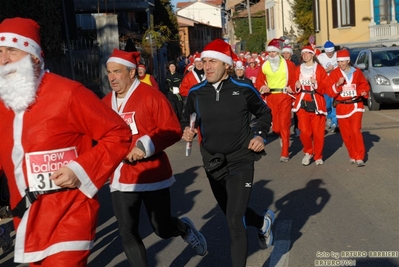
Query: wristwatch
[{"x": 264, "y": 140}]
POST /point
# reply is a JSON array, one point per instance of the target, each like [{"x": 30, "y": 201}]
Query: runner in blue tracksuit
[{"x": 229, "y": 146}]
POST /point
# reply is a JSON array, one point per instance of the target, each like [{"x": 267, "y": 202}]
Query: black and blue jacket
[{"x": 225, "y": 123}]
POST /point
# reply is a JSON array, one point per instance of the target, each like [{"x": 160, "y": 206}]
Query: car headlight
[{"x": 381, "y": 80}]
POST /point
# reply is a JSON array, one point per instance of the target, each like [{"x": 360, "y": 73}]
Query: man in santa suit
[
  {"x": 146, "y": 175},
  {"x": 349, "y": 91},
  {"x": 191, "y": 78},
  {"x": 274, "y": 78},
  {"x": 145, "y": 77},
  {"x": 47, "y": 126}
]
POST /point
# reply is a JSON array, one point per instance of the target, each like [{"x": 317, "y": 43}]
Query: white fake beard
[
  {"x": 274, "y": 63},
  {"x": 18, "y": 84}
]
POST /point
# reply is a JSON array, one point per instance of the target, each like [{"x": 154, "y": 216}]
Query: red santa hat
[
  {"x": 142, "y": 66},
  {"x": 343, "y": 55},
  {"x": 129, "y": 59},
  {"x": 287, "y": 48},
  {"x": 219, "y": 49},
  {"x": 308, "y": 48},
  {"x": 197, "y": 56},
  {"x": 23, "y": 34},
  {"x": 274, "y": 45},
  {"x": 239, "y": 65}
]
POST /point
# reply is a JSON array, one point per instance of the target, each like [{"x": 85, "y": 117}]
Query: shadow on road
[{"x": 296, "y": 207}]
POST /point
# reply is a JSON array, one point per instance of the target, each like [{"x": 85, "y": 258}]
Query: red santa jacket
[
  {"x": 189, "y": 80},
  {"x": 252, "y": 73},
  {"x": 352, "y": 88},
  {"x": 154, "y": 123},
  {"x": 64, "y": 114},
  {"x": 319, "y": 89}
]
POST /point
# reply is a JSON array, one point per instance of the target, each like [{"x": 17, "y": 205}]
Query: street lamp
[
  {"x": 149, "y": 37},
  {"x": 292, "y": 37}
]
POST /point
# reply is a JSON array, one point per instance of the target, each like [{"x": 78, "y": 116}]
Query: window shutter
[
  {"x": 352, "y": 13},
  {"x": 334, "y": 13}
]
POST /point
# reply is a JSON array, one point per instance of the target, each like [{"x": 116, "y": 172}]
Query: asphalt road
[{"x": 335, "y": 214}]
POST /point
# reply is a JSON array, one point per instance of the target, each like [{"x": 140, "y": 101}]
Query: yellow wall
[{"x": 359, "y": 33}]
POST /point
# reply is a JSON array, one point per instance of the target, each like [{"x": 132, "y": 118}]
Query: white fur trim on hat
[
  {"x": 22, "y": 43},
  {"x": 343, "y": 58},
  {"x": 329, "y": 49},
  {"x": 273, "y": 49},
  {"x": 287, "y": 49},
  {"x": 217, "y": 55},
  {"x": 121, "y": 61}
]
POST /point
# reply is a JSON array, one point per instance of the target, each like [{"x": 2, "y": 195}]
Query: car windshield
[{"x": 386, "y": 58}]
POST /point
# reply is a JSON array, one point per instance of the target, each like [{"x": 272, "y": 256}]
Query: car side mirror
[{"x": 361, "y": 66}]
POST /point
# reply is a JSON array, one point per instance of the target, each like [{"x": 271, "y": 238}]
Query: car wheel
[{"x": 371, "y": 103}]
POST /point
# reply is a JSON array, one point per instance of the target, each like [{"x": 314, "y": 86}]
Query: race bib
[
  {"x": 175, "y": 90},
  {"x": 40, "y": 166},
  {"x": 129, "y": 119},
  {"x": 349, "y": 90},
  {"x": 306, "y": 82}
]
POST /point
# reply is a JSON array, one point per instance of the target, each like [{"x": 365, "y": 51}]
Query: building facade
[
  {"x": 353, "y": 23},
  {"x": 199, "y": 23}
]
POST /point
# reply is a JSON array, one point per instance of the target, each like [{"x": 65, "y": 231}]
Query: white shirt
[{"x": 326, "y": 61}]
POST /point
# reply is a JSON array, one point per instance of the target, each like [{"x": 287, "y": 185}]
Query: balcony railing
[
  {"x": 93, "y": 6},
  {"x": 384, "y": 32}
]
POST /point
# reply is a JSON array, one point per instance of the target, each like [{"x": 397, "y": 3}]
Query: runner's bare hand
[{"x": 65, "y": 177}]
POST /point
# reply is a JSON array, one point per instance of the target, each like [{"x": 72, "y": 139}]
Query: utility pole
[
  {"x": 282, "y": 14},
  {"x": 249, "y": 17}
]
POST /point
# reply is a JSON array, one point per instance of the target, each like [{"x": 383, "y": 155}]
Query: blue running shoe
[
  {"x": 265, "y": 234},
  {"x": 194, "y": 237}
]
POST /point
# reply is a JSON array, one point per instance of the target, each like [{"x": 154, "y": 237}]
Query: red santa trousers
[
  {"x": 280, "y": 105},
  {"x": 312, "y": 127},
  {"x": 352, "y": 136}
]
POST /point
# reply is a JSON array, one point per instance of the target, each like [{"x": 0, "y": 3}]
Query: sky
[{"x": 174, "y": 2}]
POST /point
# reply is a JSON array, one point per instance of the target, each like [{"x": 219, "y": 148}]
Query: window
[
  {"x": 270, "y": 18},
  {"x": 344, "y": 8},
  {"x": 382, "y": 11},
  {"x": 343, "y": 12}
]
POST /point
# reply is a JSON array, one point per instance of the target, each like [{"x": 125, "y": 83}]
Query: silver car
[{"x": 380, "y": 66}]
